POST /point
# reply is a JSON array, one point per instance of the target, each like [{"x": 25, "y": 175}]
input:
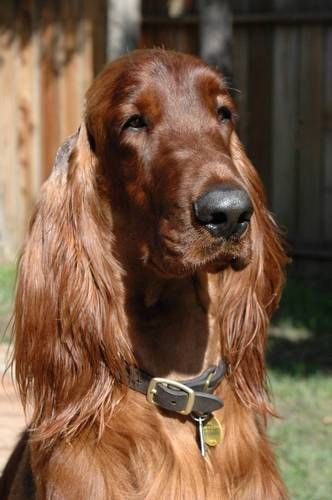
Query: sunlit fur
[{"x": 80, "y": 318}]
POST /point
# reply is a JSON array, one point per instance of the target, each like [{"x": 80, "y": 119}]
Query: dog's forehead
[
  {"x": 157, "y": 83},
  {"x": 177, "y": 72},
  {"x": 174, "y": 79}
]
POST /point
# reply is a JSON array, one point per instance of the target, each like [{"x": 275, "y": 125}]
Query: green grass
[
  {"x": 7, "y": 285},
  {"x": 303, "y": 437},
  {"x": 300, "y": 370},
  {"x": 300, "y": 361},
  {"x": 7, "y": 281}
]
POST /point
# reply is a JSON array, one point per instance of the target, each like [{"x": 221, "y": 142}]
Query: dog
[{"x": 146, "y": 284}]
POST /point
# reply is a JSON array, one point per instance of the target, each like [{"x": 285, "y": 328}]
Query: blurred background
[{"x": 277, "y": 58}]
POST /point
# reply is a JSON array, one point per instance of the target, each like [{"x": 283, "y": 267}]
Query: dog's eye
[
  {"x": 135, "y": 121},
  {"x": 224, "y": 114}
]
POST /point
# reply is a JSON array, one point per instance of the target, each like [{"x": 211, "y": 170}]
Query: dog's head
[{"x": 162, "y": 125}]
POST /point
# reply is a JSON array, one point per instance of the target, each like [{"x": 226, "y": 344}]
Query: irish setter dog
[{"x": 151, "y": 252}]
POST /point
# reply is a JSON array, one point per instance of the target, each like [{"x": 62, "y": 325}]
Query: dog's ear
[
  {"x": 249, "y": 297},
  {"x": 70, "y": 326}
]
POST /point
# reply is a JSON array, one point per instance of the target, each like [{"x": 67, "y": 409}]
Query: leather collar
[{"x": 186, "y": 396}]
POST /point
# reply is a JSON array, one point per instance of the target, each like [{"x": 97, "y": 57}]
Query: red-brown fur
[{"x": 115, "y": 270}]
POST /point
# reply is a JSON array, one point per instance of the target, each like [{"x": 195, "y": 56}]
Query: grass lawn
[
  {"x": 303, "y": 436},
  {"x": 300, "y": 372},
  {"x": 7, "y": 284}
]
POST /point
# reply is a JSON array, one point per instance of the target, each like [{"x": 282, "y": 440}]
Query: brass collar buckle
[{"x": 152, "y": 390}]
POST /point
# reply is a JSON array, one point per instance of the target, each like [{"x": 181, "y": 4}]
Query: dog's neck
[{"x": 172, "y": 329}]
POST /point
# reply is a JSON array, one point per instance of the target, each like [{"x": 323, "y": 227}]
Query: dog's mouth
[
  {"x": 237, "y": 263},
  {"x": 183, "y": 253},
  {"x": 235, "y": 254}
]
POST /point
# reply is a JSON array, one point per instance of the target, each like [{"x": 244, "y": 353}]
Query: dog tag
[{"x": 212, "y": 431}]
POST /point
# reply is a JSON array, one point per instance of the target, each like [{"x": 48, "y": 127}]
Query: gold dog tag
[{"x": 213, "y": 431}]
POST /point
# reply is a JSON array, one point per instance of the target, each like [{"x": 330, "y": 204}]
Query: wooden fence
[
  {"x": 282, "y": 65},
  {"x": 49, "y": 53}
]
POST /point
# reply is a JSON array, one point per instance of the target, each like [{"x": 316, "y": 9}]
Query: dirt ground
[{"x": 12, "y": 419}]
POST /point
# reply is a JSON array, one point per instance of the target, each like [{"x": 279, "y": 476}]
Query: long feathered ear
[
  {"x": 249, "y": 297},
  {"x": 70, "y": 327}
]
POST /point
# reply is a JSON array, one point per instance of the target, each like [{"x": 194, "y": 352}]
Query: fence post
[
  {"x": 215, "y": 20},
  {"x": 123, "y": 26}
]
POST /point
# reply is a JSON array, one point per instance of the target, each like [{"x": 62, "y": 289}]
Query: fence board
[
  {"x": 328, "y": 139},
  {"x": 36, "y": 174},
  {"x": 285, "y": 112},
  {"x": 310, "y": 151},
  {"x": 50, "y": 98},
  {"x": 169, "y": 35},
  {"x": 97, "y": 32},
  {"x": 92, "y": 45},
  {"x": 69, "y": 70},
  {"x": 241, "y": 68},
  {"x": 9, "y": 192},
  {"x": 25, "y": 104},
  {"x": 259, "y": 102}
]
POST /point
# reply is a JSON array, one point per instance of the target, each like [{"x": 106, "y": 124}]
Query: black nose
[{"x": 225, "y": 211}]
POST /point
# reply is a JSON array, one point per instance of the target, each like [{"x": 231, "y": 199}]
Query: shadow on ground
[
  {"x": 300, "y": 339},
  {"x": 300, "y": 356}
]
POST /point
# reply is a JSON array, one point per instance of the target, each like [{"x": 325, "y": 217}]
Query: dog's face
[{"x": 163, "y": 123}]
